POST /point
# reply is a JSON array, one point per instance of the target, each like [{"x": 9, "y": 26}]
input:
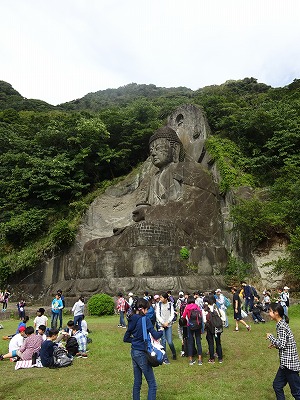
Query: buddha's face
[{"x": 161, "y": 152}]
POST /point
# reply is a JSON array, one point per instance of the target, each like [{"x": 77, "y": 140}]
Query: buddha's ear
[{"x": 176, "y": 152}]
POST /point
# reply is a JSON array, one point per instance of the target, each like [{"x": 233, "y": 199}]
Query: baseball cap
[
  {"x": 181, "y": 294},
  {"x": 156, "y": 296},
  {"x": 218, "y": 290},
  {"x": 130, "y": 294},
  {"x": 22, "y": 329},
  {"x": 286, "y": 288}
]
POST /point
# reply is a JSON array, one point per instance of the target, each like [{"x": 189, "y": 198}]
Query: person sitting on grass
[
  {"x": 256, "y": 311},
  {"x": 42, "y": 332},
  {"x": 46, "y": 352},
  {"x": 17, "y": 341},
  {"x": 32, "y": 344},
  {"x": 81, "y": 340}
]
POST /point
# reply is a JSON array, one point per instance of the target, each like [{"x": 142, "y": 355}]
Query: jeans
[
  {"x": 122, "y": 320},
  {"x": 141, "y": 366},
  {"x": 54, "y": 320},
  {"x": 284, "y": 376},
  {"x": 77, "y": 321},
  {"x": 248, "y": 304},
  {"x": 60, "y": 318},
  {"x": 167, "y": 337},
  {"x": 191, "y": 334},
  {"x": 211, "y": 338}
]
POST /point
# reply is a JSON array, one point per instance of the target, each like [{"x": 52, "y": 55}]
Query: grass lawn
[{"x": 247, "y": 372}]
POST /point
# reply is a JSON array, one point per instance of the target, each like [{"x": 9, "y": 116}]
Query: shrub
[{"x": 101, "y": 304}]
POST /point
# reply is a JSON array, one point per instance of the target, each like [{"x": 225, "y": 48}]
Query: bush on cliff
[{"x": 101, "y": 304}]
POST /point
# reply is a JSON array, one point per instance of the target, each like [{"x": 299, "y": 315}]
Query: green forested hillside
[{"x": 54, "y": 160}]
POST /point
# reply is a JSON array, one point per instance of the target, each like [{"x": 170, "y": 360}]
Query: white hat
[
  {"x": 130, "y": 294},
  {"x": 181, "y": 294},
  {"x": 286, "y": 288},
  {"x": 218, "y": 290}
]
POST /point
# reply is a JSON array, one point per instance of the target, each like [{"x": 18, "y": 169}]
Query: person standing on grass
[
  {"x": 121, "y": 302},
  {"x": 134, "y": 335},
  {"x": 191, "y": 305},
  {"x": 56, "y": 306},
  {"x": 288, "y": 371},
  {"x": 78, "y": 311},
  {"x": 62, "y": 297},
  {"x": 164, "y": 317},
  {"x": 236, "y": 303}
]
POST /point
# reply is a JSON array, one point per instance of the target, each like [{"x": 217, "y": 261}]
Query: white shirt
[
  {"x": 78, "y": 308},
  {"x": 42, "y": 320},
  {"x": 84, "y": 327},
  {"x": 164, "y": 313},
  {"x": 15, "y": 342}
]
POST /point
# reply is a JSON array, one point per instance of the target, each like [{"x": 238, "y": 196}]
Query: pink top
[{"x": 32, "y": 344}]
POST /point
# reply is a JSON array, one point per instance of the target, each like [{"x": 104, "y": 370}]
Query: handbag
[{"x": 155, "y": 351}]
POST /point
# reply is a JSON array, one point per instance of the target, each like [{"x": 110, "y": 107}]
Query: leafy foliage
[
  {"x": 101, "y": 304},
  {"x": 237, "y": 271}
]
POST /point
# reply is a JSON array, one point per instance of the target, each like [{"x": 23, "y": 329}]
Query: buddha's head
[{"x": 165, "y": 147}]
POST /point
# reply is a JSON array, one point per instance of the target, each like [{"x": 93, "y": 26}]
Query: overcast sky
[{"x": 60, "y": 50}]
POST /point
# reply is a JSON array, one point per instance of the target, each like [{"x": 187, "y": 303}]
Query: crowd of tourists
[
  {"x": 38, "y": 343},
  {"x": 205, "y": 314}
]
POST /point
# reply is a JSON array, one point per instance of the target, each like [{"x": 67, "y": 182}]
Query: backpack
[
  {"x": 215, "y": 323},
  {"x": 126, "y": 306},
  {"x": 60, "y": 358},
  {"x": 195, "y": 320},
  {"x": 72, "y": 346}
]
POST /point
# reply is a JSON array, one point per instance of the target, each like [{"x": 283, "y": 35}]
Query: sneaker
[
  {"x": 248, "y": 328},
  {"x": 78, "y": 355},
  {"x": 182, "y": 354},
  {"x": 211, "y": 361},
  {"x": 1, "y": 357},
  {"x": 167, "y": 362},
  {"x": 263, "y": 321},
  {"x": 192, "y": 362},
  {"x": 84, "y": 355},
  {"x": 5, "y": 338},
  {"x": 220, "y": 361},
  {"x": 174, "y": 357},
  {"x": 235, "y": 330},
  {"x": 119, "y": 326},
  {"x": 200, "y": 362},
  {"x": 124, "y": 326}
]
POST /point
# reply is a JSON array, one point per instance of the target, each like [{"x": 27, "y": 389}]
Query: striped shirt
[{"x": 286, "y": 345}]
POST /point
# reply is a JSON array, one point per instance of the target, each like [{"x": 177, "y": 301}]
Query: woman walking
[
  {"x": 288, "y": 371},
  {"x": 134, "y": 335}
]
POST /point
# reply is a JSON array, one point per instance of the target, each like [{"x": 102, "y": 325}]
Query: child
[
  {"x": 31, "y": 345},
  {"x": 288, "y": 371},
  {"x": 81, "y": 340},
  {"x": 46, "y": 352},
  {"x": 41, "y": 331},
  {"x": 21, "y": 309},
  {"x": 40, "y": 319}
]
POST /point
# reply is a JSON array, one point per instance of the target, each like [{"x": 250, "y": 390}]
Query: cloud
[{"x": 61, "y": 50}]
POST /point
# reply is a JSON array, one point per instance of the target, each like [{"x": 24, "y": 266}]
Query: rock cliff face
[{"x": 120, "y": 246}]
